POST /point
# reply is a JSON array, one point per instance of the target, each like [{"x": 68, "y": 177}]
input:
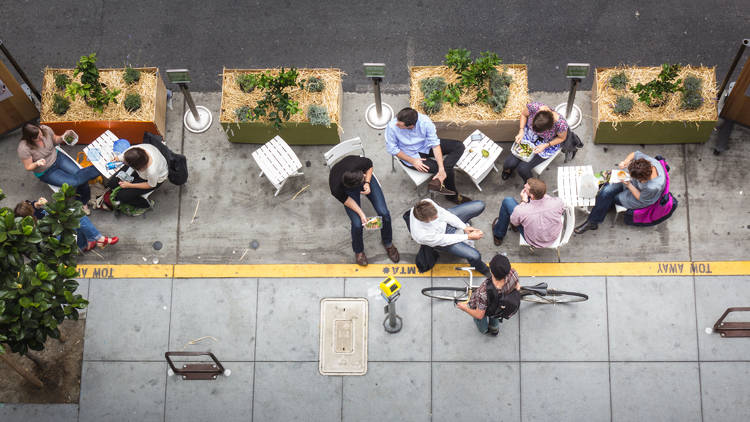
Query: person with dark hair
[
  {"x": 87, "y": 236},
  {"x": 447, "y": 230},
  {"x": 348, "y": 179},
  {"x": 151, "y": 171},
  {"x": 644, "y": 187},
  {"x": 38, "y": 155},
  {"x": 412, "y": 138},
  {"x": 496, "y": 299},
  {"x": 543, "y": 128},
  {"x": 538, "y": 216}
]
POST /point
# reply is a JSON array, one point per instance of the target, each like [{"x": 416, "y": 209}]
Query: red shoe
[
  {"x": 107, "y": 241},
  {"x": 91, "y": 245}
]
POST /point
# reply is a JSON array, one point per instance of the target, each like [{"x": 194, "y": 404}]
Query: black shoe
[
  {"x": 506, "y": 174},
  {"x": 586, "y": 226},
  {"x": 491, "y": 332}
]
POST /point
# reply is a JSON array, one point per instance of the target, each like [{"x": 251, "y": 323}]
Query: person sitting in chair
[
  {"x": 645, "y": 187},
  {"x": 151, "y": 170},
  {"x": 446, "y": 230},
  {"x": 538, "y": 216}
]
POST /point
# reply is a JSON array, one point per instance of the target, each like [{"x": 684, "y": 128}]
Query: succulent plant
[
  {"x": 318, "y": 115},
  {"x": 619, "y": 81},
  {"x": 132, "y": 102},
  {"x": 61, "y": 81},
  {"x": 131, "y": 76},
  {"x": 60, "y": 104},
  {"x": 692, "y": 94},
  {"x": 428, "y": 85},
  {"x": 247, "y": 82},
  {"x": 242, "y": 114},
  {"x": 315, "y": 84},
  {"x": 623, "y": 105}
]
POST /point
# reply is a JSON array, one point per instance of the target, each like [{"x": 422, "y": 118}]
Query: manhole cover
[{"x": 343, "y": 336}]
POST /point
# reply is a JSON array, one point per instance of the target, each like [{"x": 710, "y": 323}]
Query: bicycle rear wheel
[
  {"x": 555, "y": 296},
  {"x": 446, "y": 293}
]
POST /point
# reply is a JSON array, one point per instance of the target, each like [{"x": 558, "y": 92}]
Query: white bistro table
[
  {"x": 567, "y": 186},
  {"x": 100, "y": 152},
  {"x": 473, "y": 163}
]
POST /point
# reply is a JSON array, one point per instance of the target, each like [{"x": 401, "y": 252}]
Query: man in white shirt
[{"x": 446, "y": 230}]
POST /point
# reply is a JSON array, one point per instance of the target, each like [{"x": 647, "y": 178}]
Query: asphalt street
[{"x": 207, "y": 36}]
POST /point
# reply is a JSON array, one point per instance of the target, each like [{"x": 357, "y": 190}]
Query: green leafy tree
[{"x": 37, "y": 263}]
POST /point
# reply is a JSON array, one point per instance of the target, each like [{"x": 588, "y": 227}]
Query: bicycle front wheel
[
  {"x": 555, "y": 296},
  {"x": 446, "y": 293}
]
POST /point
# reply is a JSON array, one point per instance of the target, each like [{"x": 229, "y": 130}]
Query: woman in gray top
[{"x": 645, "y": 186}]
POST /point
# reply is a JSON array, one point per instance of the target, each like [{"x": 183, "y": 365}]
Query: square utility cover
[{"x": 343, "y": 336}]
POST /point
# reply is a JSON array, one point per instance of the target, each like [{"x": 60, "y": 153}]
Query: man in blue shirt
[{"x": 411, "y": 137}]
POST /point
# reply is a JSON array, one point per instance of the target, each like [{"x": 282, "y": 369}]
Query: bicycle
[{"x": 538, "y": 293}]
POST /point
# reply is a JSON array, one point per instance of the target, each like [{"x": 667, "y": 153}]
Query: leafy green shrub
[
  {"x": 458, "y": 59},
  {"x": 655, "y": 92},
  {"x": 429, "y": 85},
  {"x": 692, "y": 94},
  {"x": 276, "y": 105},
  {"x": 315, "y": 84},
  {"x": 499, "y": 91},
  {"x": 90, "y": 88},
  {"x": 38, "y": 264},
  {"x": 61, "y": 81},
  {"x": 318, "y": 115},
  {"x": 247, "y": 82},
  {"x": 623, "y": 105},
  {"x": 60, "y": 104},
  {"x": 132, "y": 102},
  {"x": 241, "y": 113},
  {"x": 432, "y": 89},
  {"x": 131, "y": 76},
  {"x": 619, "y": 81}
]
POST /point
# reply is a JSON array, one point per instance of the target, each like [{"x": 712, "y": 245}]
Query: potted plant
[
  {"x": 303, "y": 106},
  {"x": 654, "y": 105},
  {"x": 464, "y": 95},
  {"x": 91, "y": 100}
]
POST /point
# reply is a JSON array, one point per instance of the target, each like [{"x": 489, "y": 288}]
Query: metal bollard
[{"x": 390, "y": 290}]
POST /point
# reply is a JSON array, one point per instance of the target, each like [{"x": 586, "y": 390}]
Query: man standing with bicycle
[{"x": 498, "y": 297}]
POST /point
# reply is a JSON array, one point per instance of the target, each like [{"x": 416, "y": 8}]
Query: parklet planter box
[
  {"x": 298, "y": 130},
  {"x": 667, "y": 124},
  {"x": 458, "y": 122},
  {"x": 89, "y": 124}
]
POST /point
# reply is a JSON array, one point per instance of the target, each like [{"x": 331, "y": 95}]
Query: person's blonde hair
[{"x": 424, "y": 211}]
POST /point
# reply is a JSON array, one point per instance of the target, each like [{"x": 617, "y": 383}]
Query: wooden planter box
[
  {"x": 502, "y": 127},
  {"x": 297, "y": 131},
  {"x": 673, "y": 126},
  {"x": 150, "y": 118}
]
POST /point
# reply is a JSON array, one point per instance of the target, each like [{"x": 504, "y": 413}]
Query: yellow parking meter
[{"x": 390, "y": 289}]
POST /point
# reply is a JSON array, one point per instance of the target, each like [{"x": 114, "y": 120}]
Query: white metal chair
[
  {"x": 569, "y": 222},
  {"x": 416, "y": 176},
  {"x": 277, "y": 162},
  {"x": 473, "y": 163},
  {"x": 344, "y": 148},
  {"x": 539, "y": 168}
]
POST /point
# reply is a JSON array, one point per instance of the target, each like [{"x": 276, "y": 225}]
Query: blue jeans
[
  {"x": 86, "y": 232},
  {"x": 378, "y": 202},
  {"x": 466, "y": 212},
  {"x": 65, "y": 170},
  {"x": 605, "y": 199},
  {"x": 486, "y": 323},
  {"x": 503, "y": 220}
]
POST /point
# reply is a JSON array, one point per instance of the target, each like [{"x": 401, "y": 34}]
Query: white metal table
[
  {"x": 100, "y": 152},
  {"x": 568, "y": 178},
  {"x": 473, "y": 163}
]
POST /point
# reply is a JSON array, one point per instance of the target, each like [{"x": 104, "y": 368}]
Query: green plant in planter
[
  {"x": 692, "y": 94},
  {"x": 499, "y": 91},
  {"x": 623, "y": 105},
  {"x": 37, "y": 267},
  {"x": 458, "y": 59},
  {"x": 619, "y": 81},
  {"x": 318, "y": 115},
  {"x": 60, "y": 104},
  {"x": 315, "y": 84},
  {"x": 452, "y": 93},
  {"x": 131, "y": 76},
  {"x": 61, "y": 81},
  {"x": 429, "y": 85},
  {"x": 432, "y": 89},
  {"x": 247, "y": 82},
  {"x": 93, "y": 92},
  {"x": 132, "y": 102},
  {"x": 241, "y": 113},
  {"x": 655, "y": 92},
  {"x": 276, "y": 105}
]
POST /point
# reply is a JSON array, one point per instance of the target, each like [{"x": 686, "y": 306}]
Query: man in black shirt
[{"x": 349, "y": 178}]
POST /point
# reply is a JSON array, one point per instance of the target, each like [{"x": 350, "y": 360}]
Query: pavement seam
[
  {"x": 698, "y": 347},
  {"x": 179, "y": 194},
  {"x": 169, "y": 339},
  {"x": 609, "y": 357},
  {"x": 255, "y": 347},
  {"x": 687, "y": 202},
  {"x": 432, "y": 332}
]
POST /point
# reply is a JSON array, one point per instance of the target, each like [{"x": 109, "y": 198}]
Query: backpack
[
  {"x": 658, "y": 211},
  {"x": 427, "y": 256},
  {"x": 176, "y": 163},
  {"x": 571, "y": 145}
]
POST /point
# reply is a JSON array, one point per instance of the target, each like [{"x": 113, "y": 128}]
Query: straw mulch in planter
[
  {"x": 112, "y": 79},
  {"x": 668, "y": 123}
]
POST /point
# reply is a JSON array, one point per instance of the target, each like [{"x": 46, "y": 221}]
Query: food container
[
  {"x": 374, "y": 223},
  {"x": 517, "y": 150},
  {"x": 70, "y": 137}
]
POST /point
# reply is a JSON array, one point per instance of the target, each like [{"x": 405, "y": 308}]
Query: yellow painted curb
[{"x": 567, "y": 269}]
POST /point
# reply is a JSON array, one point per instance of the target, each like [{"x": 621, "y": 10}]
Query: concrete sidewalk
[
  {"x": 636, "y": 350},
  {"x": 225, "y": 205}
]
